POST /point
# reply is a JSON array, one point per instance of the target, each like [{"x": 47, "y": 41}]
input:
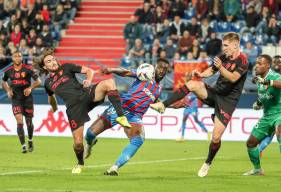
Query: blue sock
[
  {"x": 90, "y": 136},
  {"x": 183, "y": 129},
  {"x": 129, "y": 151},
  {"x": 265, "y": 142},
  {"x": 202, "y": 126}
]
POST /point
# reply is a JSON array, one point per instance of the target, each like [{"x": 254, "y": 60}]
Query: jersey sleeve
[
  {"x": 6, "y": 76},
  {"x": 73, "y": 68},
  {"x": 49, "y": 92},
  {"x": 241, "y": 66}
]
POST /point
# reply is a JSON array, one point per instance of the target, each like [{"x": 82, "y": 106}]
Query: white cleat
[
  {"x": 158, "y": 107},
  {"x": 112, "y": 171},
  {"x": 203, "y": 172},
  {"x": 259, "y": 172},
  {"x": 77, "y": 169},
  {"x": 88, "y": 149}
]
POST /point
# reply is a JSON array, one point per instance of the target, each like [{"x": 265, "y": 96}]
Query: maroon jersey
[{"x": 20, "y": 79}]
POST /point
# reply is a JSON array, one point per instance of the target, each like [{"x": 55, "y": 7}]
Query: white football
[{"x": 145, "y": 72}]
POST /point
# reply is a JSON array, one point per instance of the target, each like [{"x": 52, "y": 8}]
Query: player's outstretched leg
[
  {"x": 90, "y": 142},
  {"x": 176, "y": 96},
  {"x": 126, "y": 155},
  {"x": 254, "y": 155},
  {"x": 78, "y": 149},
  {"x": 21, "y": 136}
]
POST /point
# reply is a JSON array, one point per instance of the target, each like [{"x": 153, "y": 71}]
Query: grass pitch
[{"x": 160, "y": 165}]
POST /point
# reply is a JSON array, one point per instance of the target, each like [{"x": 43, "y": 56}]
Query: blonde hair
[{"x": 231, "y": 36}]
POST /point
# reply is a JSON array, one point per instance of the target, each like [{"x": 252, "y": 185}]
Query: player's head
[
  {"x": 276, "y": 63},
  {"x": 161, "y": 69},
  {"x": 230, "y": 44},
  {"x": 263, "y": 64},
  {"x": 47, "y": 62},
  {"x": 17, "y": 58}
]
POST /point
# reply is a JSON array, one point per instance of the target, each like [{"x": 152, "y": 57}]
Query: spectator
[
  {"x": 213, "y": 46},
  {"x": 3, "y": 60},
  {"x": 201, "y": 8},
  {"x": 12, "y": 23},
  {"x": 11, "y": 6},
  {"x": 215, "y": 10},
  {"x": 60, "y": 18},
  {"x": 25, "y": 28},
  {"x": 3, "y": 30},
  {"x": 70, "y": 7},
  {"x": 16, "y": 36},
  {"x": 170, "y": 49},
  {"x": 163, "y": 33},
  {"x": 136, "y": 54},
  {"x": 165, "y": 5},
  {"x": 37, "y": 23},
  {"x": 194, "y": 28},
  {"x": 132, "y": 31},
  {"x": 4, "y": 40},
  {"x": 145, "y": 15},
  {"x": 231, "y": 9},
  {"x": 10, "y": 49},
  {"x": 252, "y": 20},
  {"x": 46, "y": 14},
  {"x": 177, "y": 8},
  {"x": 272, "y": 5},
  {"x": 185, "y": 43},
  {"x": 205, "y": 30},
  {"x": 23, "y": 48},
  {"x": 3, "y": 13},
  {"x": 31, "y": 38},
  {"x": 155, "y": 50},
  {"x": 252, "y": 54},
  {"x": 257, "y": 4},
  {"x": 38, "y": 47},
  {"x": 31, "y": 13},
  {"x": 189, "y": 56},
  {"x": 177, "y": 28},
  {"x": 46, "y": 36},
  {"x": 195, "y": 49},
  {"x": 272, "y": 30},
  {"x": 38, "y": 5}
]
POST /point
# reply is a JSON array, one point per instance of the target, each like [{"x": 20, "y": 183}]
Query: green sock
[
  {"x": 254, "y": 154},
  {"x": 279, "y": 141}
]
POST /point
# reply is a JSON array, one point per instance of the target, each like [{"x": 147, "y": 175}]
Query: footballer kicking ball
[{"x": 145, "y": 72}]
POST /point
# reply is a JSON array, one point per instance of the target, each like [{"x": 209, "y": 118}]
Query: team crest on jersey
[
  {"x": 17, "y": 75},
  {"x": 23, "y": 74}
]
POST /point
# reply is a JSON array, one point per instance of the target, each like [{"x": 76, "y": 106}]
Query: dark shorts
[
  {"x": 23, "y": 106},
  {"x": 224, "y": 105},
  {"x": 78, "y": 114}
]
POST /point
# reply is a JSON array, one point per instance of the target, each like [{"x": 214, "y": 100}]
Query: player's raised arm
[
  {"x": 8, "y": 89},
  {"x": 207, "y": 73},
  {"x": 89, "y": 75},
  {"x": 118, "y": 71},
  {"x": 53, "y": 102}
]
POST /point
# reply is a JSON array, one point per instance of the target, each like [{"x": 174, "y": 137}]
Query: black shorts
[
  {"x": 23, "y": 106},
  {"x": 224, "y": 105},
  {"x": 78, "y": 114}
]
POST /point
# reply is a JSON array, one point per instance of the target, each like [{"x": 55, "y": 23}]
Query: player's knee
[
  {"x": 110, "y": 84},
  {"x": 78, "y": 146},
  {"x": 216, "y": 139},
  {"x": 137, "y": 141},
  {"x": 193, "y": 85}
]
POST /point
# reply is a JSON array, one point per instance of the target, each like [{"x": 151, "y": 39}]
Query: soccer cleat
[
  {"x": 122, "y": 120},
  {"x": 158, "y": 107},
  {"x": 24, "y": 150},
  {"x": 77, "y": 169},
  {"x": 254, "y": 172},
  {"x": 30, "y": 146},
  {"x": 204, "y": 170},
  {"x": 88, "y": 149},
  {"x": 112, "y": 171}
]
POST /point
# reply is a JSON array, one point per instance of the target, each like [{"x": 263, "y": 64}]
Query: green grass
[{"x": 53, "y": 159}]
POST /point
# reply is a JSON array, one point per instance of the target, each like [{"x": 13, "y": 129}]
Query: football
[{"x": 145, "y": 72}]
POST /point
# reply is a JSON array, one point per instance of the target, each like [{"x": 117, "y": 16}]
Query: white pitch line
[{"x": 104, "y": 165}]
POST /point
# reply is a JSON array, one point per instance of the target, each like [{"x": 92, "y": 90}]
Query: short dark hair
[
  {"x": 277, "y": 57},
  {"x": 267, "y": 58},
  {"x": 231, "y": 36},
  {"x": 38, "y": 62},
  {"x": 160, "y": 60}
]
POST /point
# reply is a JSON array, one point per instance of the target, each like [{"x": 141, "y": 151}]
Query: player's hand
[
  {"x": 260, "y": 80},
  {"x": 27, "y": 91},
  {"x": 196, "y": 73},
  {"x": 257, "y": 105},
  {"x": 105, "y": 70},
  {"x": 217, "y": 63},
  {"x": 10, "y": 94},
  {"x": 86, "y": 83}
]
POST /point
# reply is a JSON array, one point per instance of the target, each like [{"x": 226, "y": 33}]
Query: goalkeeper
[{"x": 269, "y": 96}]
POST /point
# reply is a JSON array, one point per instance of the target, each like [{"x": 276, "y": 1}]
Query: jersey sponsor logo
[
  {"x": 17, "y": 75},
  {"x": 17, "y": 109},
  {"x": 19, "y": 82},
  {"x": 230, "y": 66},
  {"x": 60, "y": 81},
  {"x": 3, "y": 125},
  {"x": 51, "y": 123},
  {"x": 149, "y": 94}
]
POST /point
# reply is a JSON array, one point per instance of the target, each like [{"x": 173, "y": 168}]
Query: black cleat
[
  {"x": 24, "y": 150},
  {"x": 30, "y": 146}
]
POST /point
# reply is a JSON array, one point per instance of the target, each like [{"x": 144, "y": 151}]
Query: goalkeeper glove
[{"x": 257, "y": 105}]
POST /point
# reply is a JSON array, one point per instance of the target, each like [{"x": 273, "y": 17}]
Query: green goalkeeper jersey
[{"x": 270, "y": 97}]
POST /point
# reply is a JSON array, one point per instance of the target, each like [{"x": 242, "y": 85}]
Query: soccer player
[
  {"x": 276, "y": 66},
  {"x": 269, "y": 94},
  {"x": 79, "y": 99},
  {"x": 191, "y": 109},
  {"x": 232, "y": 66},
  {"x": 135, "y": 102},
  {"x": 19, "y": 91}
]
